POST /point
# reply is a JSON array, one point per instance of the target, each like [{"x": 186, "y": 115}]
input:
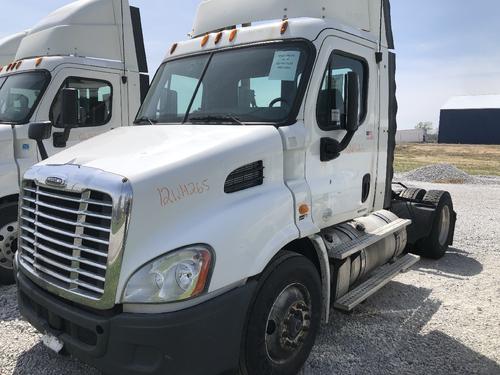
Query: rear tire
[
  {"x": 413, "y": 194},
  {"x": 8, "y": 241},
  {"x": 441, "y": 236},
  {"x": 284, "y": 318}
]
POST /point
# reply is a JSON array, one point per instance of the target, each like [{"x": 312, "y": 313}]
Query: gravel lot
[{"x": 439, "y": 318}]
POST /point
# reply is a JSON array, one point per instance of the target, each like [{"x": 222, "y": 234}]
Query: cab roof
[{"x": 363, "y": 15}]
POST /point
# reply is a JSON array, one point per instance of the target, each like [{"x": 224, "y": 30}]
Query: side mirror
[
  {"x": 330, "y": 149},
  {"x": 352, "y": 105},
  {"x": 70, "y": 108},
  {"x": 39, "y": 131}
]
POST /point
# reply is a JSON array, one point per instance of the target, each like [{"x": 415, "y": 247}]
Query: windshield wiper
[
  {"x": 142, "y": 120},
  {"x": 216, "y": 118}
]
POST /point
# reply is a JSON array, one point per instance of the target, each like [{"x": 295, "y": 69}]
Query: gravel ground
[
  {"x": 446, "y": 173},
  {"x": 441, "y": 317}
]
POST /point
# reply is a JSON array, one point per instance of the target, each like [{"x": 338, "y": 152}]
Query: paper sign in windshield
[{"x": 284, "y": 66}]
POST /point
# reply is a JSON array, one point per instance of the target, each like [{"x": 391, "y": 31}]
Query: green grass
[{"x": 475, "y": 160}]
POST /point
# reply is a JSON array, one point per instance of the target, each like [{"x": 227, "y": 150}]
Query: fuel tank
[{"x": 349, "y": 272}]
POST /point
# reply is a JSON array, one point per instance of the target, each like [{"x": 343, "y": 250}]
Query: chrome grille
[{"x": 65, "y": 237}]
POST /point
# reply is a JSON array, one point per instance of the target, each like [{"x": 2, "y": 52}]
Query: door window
[
  {"x": 95, "y": 99},
  {"x": 332, "y": 101}
]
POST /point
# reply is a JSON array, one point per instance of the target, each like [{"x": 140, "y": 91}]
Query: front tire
[
  {"x": 8, "y": 241},
  {"x": 284, "y": 319}
]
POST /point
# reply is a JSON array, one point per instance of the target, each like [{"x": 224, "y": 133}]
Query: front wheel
[
  {"x": 8, "y": 241},
  {"x": 284, "y": 319}
]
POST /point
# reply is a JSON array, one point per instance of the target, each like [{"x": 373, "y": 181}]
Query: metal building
[
  {"x": 410, "y": 136},
  {"x": 470, "y": 120}
]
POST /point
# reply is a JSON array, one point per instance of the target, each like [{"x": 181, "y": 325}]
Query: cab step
[
  {"x": 375, "y": 283},
  {"x": 347, "y": 249}
]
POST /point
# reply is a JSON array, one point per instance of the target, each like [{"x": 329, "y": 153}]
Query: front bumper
[{"x": 204, "y": 339}]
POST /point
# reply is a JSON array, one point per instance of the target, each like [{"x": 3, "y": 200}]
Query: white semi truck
[
  {"x": 93, "y": 46},
  {"x": 254, "y": 195}
]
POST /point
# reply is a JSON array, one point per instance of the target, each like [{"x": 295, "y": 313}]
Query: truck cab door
[
  {"x": 100, "y": 105},
  {"x": 341, "y": 187}
]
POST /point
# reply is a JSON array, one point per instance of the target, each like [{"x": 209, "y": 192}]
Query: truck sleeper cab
[
  {"x": 58, "y": 54},
  {"x": 253, "y": 195}
]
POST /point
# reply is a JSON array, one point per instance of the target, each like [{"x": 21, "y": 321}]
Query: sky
[{"x": 445, "y": 47}]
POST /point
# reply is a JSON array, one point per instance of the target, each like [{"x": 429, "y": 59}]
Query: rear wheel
[
  {"x": 284, "y": 318},
  {"x": 8, "y": 241},
  {"x": 438, "y": 241}
]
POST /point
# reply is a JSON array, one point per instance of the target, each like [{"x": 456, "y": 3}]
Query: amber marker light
[
  {"x": 284, "y": 27},
  {"x": 18, "y": 65},
  {"x": 204, "y": 273},
  {"x": 304, "y": 209},
  {"x": 1, "y": 68},
  {"x": 232, "y": 36},
  {"x": 9, "y": 67},
  {"x": 204, "y": 41},
  {"x": 218, "y": 37},
  {"x": 38, "y": 61}
]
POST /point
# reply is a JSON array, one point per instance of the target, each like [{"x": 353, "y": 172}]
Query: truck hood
[
  {"x": 178, "y": 175},
  {"x": 139, "y": 151}
]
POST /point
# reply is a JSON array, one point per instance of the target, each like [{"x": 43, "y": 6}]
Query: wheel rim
[
  {"x": 288, "y": 323},
  {"x": 8, "y": 244},
  {"x": 444, "y": 225}
]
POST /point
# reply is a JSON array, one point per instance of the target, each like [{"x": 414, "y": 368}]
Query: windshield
[
  {"x": 19, "y": 95},
  {"x": 258, "y": 84}
]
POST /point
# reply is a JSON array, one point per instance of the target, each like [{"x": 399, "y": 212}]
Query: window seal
[
  {"x": 28, "y": 117},
  {"x": 365, "y": 89},
  {"x": 110, "y": 116}
]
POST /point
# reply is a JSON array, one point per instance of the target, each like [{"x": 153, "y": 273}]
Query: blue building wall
[{"x": 470, "y": 126}]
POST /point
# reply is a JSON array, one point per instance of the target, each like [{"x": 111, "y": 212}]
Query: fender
[
  {"x": 324, "y": 263},
  {"x": 8, "y": 169}
]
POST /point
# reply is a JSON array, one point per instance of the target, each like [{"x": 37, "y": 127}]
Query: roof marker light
[
  {"x": 204, "y": 41},
  {"x": 232, "y": 36},
  {"x": 218, "y": 37},
  {"x": 173, "y": 48},
  {"x": 1, "y": 68},
  {"x": 18, "y": 65},
  {"x": 284, "y": 26},
  {"x": 38, "y": 61}
]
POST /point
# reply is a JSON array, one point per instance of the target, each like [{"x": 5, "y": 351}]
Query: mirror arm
[{"x": 42, "y": 149}]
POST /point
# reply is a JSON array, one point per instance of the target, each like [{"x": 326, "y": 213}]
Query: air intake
[{"x": 246, "y": 177}]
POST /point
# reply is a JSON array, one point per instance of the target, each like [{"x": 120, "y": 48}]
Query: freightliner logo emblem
[{"x": 55, "y": 181}]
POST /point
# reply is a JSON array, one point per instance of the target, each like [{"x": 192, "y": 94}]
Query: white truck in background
[
  {"x": 254, "y": 194},
  {"x": 92, "y": 46},
  {"x": 9, "y": 46}
]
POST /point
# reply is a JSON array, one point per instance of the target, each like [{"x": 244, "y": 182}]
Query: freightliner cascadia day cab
[
  {"x": 254, "y": 194},
  {"x": 85, "y": 47}
]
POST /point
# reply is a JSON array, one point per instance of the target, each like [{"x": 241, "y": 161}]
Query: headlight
[{"x": 176, "y": 276}]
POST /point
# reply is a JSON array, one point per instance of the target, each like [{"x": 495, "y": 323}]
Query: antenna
[
  {"x": 123, "y": 41},
  {"x": 378, "y": 55}
]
